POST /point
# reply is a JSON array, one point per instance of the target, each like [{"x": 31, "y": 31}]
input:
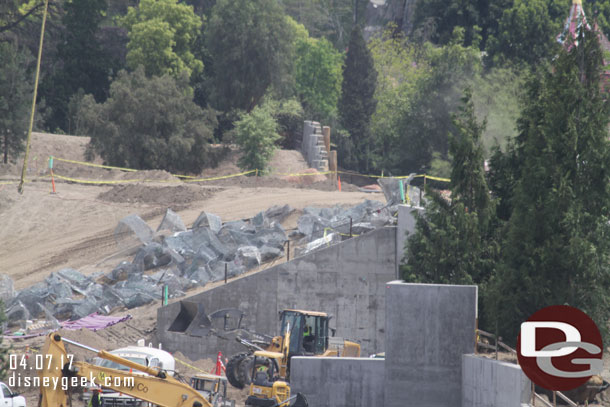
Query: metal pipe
[{"x": 80, "y": 345}]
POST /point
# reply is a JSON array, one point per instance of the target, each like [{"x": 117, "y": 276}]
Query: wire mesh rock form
[
  {"x": 322, "y": 227},
  {"x": 181, "y": 261},
  {"x": 392, "y": 191},
  {"x": 208, "y": 252}
]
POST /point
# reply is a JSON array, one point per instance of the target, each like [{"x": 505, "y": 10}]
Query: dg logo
[{"x": 560, "y": 348}]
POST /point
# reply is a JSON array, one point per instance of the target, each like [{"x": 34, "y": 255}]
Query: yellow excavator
[
  {"x": 268, "y": 389},
  {"x": 158, "y": 387},
  {"x": 309, "y": 336}
]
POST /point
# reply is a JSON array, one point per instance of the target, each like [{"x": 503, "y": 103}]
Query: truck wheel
[{"x": 232, "y": 369}]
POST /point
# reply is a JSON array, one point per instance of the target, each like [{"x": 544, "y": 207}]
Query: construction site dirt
[{"x": 44, "y": 232}]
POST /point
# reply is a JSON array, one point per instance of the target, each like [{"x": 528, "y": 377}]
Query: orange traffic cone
[{"x": 339, "y": 183}]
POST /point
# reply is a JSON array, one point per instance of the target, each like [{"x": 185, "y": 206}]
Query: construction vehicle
[
  {"x": 213, "y": 388},
  {"x": 144, "y": 355},
  {"x": 267, "y": 389},
  {"x": 157, "y": 387},
  {"x": 10, "y": 399},
  {"x": 309, "y": 336}
]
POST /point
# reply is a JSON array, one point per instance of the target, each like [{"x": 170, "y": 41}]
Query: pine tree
[
  {"x": 357, "y": 103},
  {"x": 15, "y": 99},
  {"x": 454, "y": 242},
  {"x": 84, "y": 64},
  {"x": 557, "y": 247}
]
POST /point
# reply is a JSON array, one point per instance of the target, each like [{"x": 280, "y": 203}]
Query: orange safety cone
[{"x": 339, "y": 183}]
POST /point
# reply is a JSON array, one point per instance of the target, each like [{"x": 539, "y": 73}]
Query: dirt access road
[{"x": 44, "y": 232}]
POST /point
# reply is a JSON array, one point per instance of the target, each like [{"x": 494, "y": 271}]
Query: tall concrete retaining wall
[
  {"x": 339, "y": 382},
  {"x": 490, "y": 383},
  {"x": 428, "y": 329},
  {"x": 346, "y": 280},
  {"x": 406, "y": 225},
  {"x": 313, "y": 147}
]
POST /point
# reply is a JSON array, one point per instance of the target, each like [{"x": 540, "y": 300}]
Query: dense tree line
[
  {"x": 543, "y": 237},
  {"x": 155, "y": 82}
]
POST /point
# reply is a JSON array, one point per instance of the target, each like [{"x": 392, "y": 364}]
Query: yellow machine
[
  {"x": 158, "y": 388},
  {"x": 267, "y": 388},
  {"x": 309, "y": 336}
]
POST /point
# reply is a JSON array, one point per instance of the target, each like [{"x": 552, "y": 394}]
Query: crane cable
[{"x": 27, "y": 145}]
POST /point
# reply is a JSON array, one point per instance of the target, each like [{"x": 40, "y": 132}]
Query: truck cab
[
  {"x": 143, "y": 355},
  {"x": 10, "y": 399}
]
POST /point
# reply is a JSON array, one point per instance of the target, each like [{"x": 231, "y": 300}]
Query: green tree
[
  {"x": 454, "y": 242},
  {"x": 400, "y": 71},
  {"x": 256, "y": 134},
  {"x": 557, "y": 247},
  {"x": 289, "y": 115},
  {"x": 357, "y": 103},
  {"x": 161, "y": 36},
  {"x": 83, "y": 63},
  {"x": 15, "y": 99},
  {"x": 330, "y": 19},
  {"x": 444, "y": 16},
  {"x": 428, "y": 122},
  {"x": 252, "y": 55},
  {"x": 496, "y": 95},
  {"x": 148, "y": 123},
  {"x": 318, "y": 78},
  {"x": 526, "y": 31}
]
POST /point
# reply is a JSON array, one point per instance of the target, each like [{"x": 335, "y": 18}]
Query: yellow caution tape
[
  {"x": 431, "y": 177},
  {"x": 304, "y": 174},
  {"x": 94, "y": 165},
  {"x": 130, "y": 181},
  {"x": 339, "y": 233},
  {"x": 397, "y": 177},
  {"x": 191, "y": 366},
  {"x": 190, "y": 178},
  {"x": 222, "y": 177},
  {"x": 8, "y": 182}
]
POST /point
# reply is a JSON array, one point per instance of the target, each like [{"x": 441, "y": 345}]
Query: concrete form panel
[
  {"x": 406, "y": 225},
  {"x": 490, "y": 383},
  {"x": 338, "y": 382},
  {"x": 428, "y": 328},
  {"x": 346, "y": 280}
]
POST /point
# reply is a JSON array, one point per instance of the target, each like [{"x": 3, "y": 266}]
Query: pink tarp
[{"x": 94, "y": 322}]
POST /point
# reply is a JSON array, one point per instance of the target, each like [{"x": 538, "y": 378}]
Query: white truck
[
  {"x": 10, "y": 399},
  {"x": 143, "y": 355}
]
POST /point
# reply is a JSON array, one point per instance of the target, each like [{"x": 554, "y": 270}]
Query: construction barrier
[{"x": 190, "y": 178}]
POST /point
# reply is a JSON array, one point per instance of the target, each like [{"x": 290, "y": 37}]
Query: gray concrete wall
[
  {"x": 338, "y": 382},
  {"x": 490, "y": 383},
  {"x": 346, "y": 280},
  {"x": 428, "y": 329},
  {"x": 313, "y": 147},
  {"x": 406, "y": 224}
]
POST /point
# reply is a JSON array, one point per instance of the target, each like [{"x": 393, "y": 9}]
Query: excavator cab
[
  {"x": 213, "y": 388},
  {"x": 308, "y": 331},
  {"x": 266, "y": 390}
]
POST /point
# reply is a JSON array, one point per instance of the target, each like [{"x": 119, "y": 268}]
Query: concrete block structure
[
  {"x": 313, "y": 146},
  {"x": 346, "y": 280},
  {"x": 405, "y": 227},
  {"x": 492, "y": 383},
  {"x": 428, "y": 329},
  {"x": 339, "y": 382}
]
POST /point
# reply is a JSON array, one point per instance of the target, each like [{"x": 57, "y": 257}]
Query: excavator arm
[{"x": 158, "y": 388}]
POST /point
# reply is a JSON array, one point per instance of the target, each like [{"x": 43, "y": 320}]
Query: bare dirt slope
[{"x": 44, "y": 232}]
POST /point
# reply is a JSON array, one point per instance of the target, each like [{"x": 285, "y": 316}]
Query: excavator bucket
[
  {"x": 300, "y": 401},
  {"x": 191, "y": 320}
]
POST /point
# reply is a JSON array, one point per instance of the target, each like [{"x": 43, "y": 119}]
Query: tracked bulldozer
[{"x": 308, "y": 335}]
